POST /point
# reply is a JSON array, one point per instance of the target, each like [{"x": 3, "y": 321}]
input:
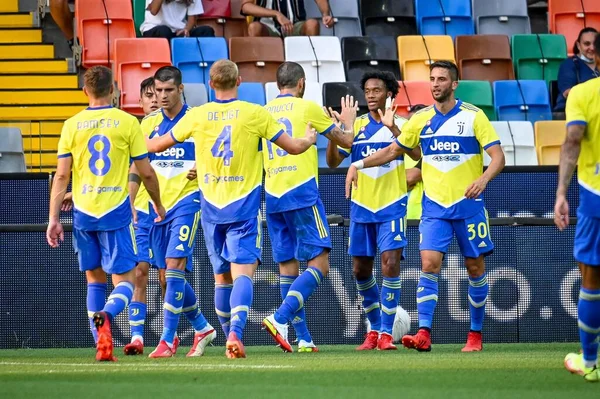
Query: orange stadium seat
[
  {"x": 412, "y": 93},
  {"x": 98, "y": 28},
  {"x": 568, "y": 17},
  {"x": 257, "y": 57},
  {"x": 233, "y": 25},
  {"x": 137, "y": 59},
  {"x": 549, "y": 136},
  {"x": 484, "y": 57},
  {"x": 416, "y": 53}
]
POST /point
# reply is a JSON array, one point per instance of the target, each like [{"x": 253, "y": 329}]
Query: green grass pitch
[{"x": 500, "y": 371}]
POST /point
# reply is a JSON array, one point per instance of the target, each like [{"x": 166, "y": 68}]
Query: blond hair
[{"x": 224, "y": 74}]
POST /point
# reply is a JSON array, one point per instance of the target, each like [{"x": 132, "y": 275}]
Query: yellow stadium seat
[
  {"x": 416, "y": 53},
  {"x": 549, "y": 136}
]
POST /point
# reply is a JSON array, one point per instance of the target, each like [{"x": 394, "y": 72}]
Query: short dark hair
[
  {"x": 582, "y": 32},
  {"x": 447, "y": 65},
  {"x": 167, "y": 73},
  {"x": 417, "y": 107},
  {"x": 146, "y": 84},
  {"x": 388, "y": 78},
  {"x": 597, "y": 46},
  {"x": 98, "y": 80},
  {"x": 289, "y": 74}
]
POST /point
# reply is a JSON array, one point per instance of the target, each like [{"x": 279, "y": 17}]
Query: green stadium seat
[
  {"x": 139, "y": 9},
  {"x": 538, "y": 57},
  {"x": 478, "y": 93}
]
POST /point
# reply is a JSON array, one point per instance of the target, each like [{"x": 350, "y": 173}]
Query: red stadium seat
[
  {"x": 412, "y": 93},
  {"x": 257, "y": 57},
  {"x": 568, "y": 17},
  {"x": 484, "y": 57},
  {"x": 232, "y": 25},
  {"x": 98, "y": 28},
  {"x": 136, "y": 60},
  {"x": 217, "y": 8}
]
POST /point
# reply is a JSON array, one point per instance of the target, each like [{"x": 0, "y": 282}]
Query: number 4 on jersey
[{"x": 222, "y": 146}]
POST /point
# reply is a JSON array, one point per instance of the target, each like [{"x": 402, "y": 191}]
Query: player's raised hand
[
  {"x": 349, "y": 110},
  {"x": 311, "y": 133},
  {"x": 55, "y": 234},
  {"x": 67, "y": 203},
  {"x": 160, "y": 211},
  {"x": 561, "y": 212},
  {"x": 351, "y": 180},
  {"x": 476, "y": 188},
  {"x": 387, "y": 118}
]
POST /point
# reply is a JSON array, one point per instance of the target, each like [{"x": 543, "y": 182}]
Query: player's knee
[
  {"x": 225, "y": 278},
  {"x": 321, "y": 262},
  {"x": 429, "y": 265},
  {"x": 590, "y": 277},
  {"x": 255, "y": 29},
  {"x": 311, "y": 27},
  {"x": 361, "y": 270},
  {"x": 141, "y": 276},
  {"x": 96, "y": 275},
  {"x": 475, "y": 266},
  {"x": 176, "y": 263}
]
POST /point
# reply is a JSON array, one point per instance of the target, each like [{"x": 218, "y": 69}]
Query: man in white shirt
[{"x": 174, "y": 18}]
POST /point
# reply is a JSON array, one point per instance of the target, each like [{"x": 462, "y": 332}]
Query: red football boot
[
  {"x": 201, "y": 341},
  {"x": 370, "y": 343},
  {"x": 234, "y": 347},
  {"x": 421, "y": 341},
  {"x": 474, "y": 342},
  {"x": 162, "y": 350},
  {"x": 176, "y": 342},
  {"x": 134, "y": 348},
  {"x": 386, "y": 342},
  {"x": 104, "y": 347}
]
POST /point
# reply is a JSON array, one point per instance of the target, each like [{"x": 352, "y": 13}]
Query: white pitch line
[{"x": 153, "y": 366}]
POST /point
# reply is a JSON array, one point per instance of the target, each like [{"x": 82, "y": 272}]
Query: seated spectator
[
  {"x": 284, "y": 18},
  {"x": 577, "y": 69},
  {"x": 63, "y": 17},
  {"x": 171, "y": 18}
]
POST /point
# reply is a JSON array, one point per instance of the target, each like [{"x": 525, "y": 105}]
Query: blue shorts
[
  {"x": 587, "y": 240},
  {"x": 301, "y": 234},
  {"x": 239, "y": 242},
  {"x": 365, "y": 238},
  {"x": 142, "y": 237},
  {"x": 114, "y": 251},
  {"x": 472, "y": 234},
  {"x": 175, "y": 239}
]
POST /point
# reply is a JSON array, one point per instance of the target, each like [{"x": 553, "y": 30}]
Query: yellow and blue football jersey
[
  {"x": 583, "y": 108},
  {"x": 452, "y": 146},
  {"x": 291, "y": 181},
  {"x": 381, "y": 193},
  {"x": 101, "y": 141},
  {"x": 227, "y": 136},
  {"x": 179, "y": 195}
]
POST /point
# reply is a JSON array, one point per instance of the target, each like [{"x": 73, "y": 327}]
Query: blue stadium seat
[
  {"x": 195, "y": 56},
  {"x": 444, "y": 17},
  {"x": 522, "y": 100},
  {"x": 253, "y": 92}
]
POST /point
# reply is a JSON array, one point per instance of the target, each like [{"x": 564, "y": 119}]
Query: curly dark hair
[{"x": 388, "y": 79}]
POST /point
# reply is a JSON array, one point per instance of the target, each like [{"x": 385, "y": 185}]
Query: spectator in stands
[
  {"x": 414, "y": 180},
  {"x": 577, "y": 69},
  {"x": 174, "y": 18},
  {"x": 284, "y": 17},
  {"x": 62, "y": 15}
]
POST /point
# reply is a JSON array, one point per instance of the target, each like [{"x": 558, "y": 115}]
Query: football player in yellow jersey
[
  {"x": 296, "y": 217},
  {"x": 582, "y": 149},
  {"x": 97, "y": 145},
  {"x": 378, "y": 213},
  {"x": 453, "y": 136},
  {"x": 227, "y": 135}
]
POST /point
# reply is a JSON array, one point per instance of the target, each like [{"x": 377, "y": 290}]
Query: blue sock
[
  {"x": 137, "y": 317},
  {"x": 478, "y": 293},
  {"x": 191, "y": 310},
  {"x": 222, "y": 306},
  {"x": 118, "y": 299},
  {"x": 241, "y": 299},
  {"x": 427, "y": 296},
  {"x": 370, "y": 294},
  {"x": 300, "y": 290},
  {"x": 390, "y": 297},
  {"x": 96, "y": 297},
  {"x": 589, "y": 324},
  {"x": 299, "y": 321},
  {"x": 173, "y": 303}
]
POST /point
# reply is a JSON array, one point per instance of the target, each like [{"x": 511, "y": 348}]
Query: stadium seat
[
  {"x": 137, "y": 59},
  {"x": 362, "y": 54},
  {"x": 412, "y": 93},
  {"x": 549, "y": 137},
  {"x": 478, "y": 93},
  {"x": 484, "y": 57},
  {"x": 345, "y": 14},
  {"x": 217, "y": 8},
  {"x": 522, "y": 100},
  {"x": 517, "y": 142},
  {"x": 333, "y": 93},
  {"x": 98, "y": 24},
  {"x": 12, "y": 159},
  {"x": 388, "y": 17},
  {"x": 416, "y": 53},
  {"x": 321, "y": 57},
  {"x": 257, "y": 58},
  {"x": 194, "y": 94},
  {"x": 505, "y": 17},
  {"x": 233, "y": 25},
  {"x": 568, "y": 17},
  {"x": 195, "y": 55},
  {"x": 251, "y": 92},
  {"x": 313, "y": 91},
  {"x": 444, "y": 17},
  {"x": 538, "y": 57}
]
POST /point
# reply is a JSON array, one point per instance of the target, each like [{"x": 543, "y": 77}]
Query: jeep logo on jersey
[
  {"x": 172, "y": 152},
  {"x": 368, "y": 151},
  {"x": 444, "y": 146}
]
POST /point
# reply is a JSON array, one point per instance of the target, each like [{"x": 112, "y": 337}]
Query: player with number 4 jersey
[{"x": 227, "y": 135}]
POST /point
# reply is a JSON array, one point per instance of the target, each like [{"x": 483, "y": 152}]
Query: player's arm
[
  {"x": 133, "y": 185},
  {"x": 160, "y": 143},
  {"x": 148, "y": 176},
  {"x": 333, "y": 155},
  {"x": 296, "y": 146},
  {"x": 55, "y": 233},
  {"x": 494, "y": 168},
  {"x": 413, "y": 176}
]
